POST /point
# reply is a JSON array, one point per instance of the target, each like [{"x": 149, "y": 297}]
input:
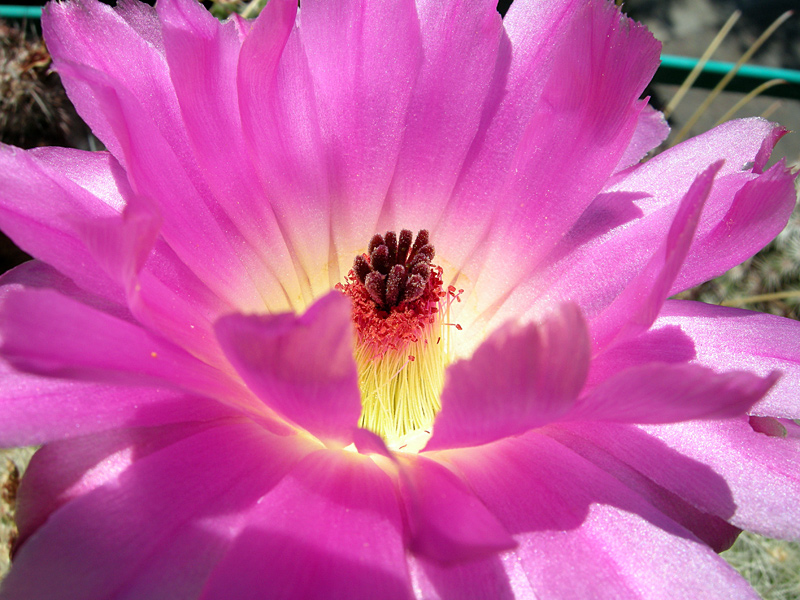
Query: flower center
[{"x": 400, "y": 310}]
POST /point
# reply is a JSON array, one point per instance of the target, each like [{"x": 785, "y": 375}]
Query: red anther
[
  {"x": 395, "y": 284},
  {"x": 422, "y": 240},
  {"x": 408, "y": 276},
  {"x": 423, "y": 255},
  {"x": 361, "y": 267},
  {"x": 380, "y": 259},
  {"x": 375, "y": 284},
  {"x": 404, "y": 245},
  {"x": 391, "y": 304},
  {"x": 422, "y": 269},
  {"x": 377, "y": 240},
  {"x": 391, "y": 244},
  {"x": 415, "y": 286}
]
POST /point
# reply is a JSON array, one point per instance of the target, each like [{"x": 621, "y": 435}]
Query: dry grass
[{"x": 771, "y": 566}]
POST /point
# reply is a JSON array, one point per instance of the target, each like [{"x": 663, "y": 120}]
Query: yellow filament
[{"x": 399, "y": 394}]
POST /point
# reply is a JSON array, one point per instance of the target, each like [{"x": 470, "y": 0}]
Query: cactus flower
[{"x": 369, "y": 299}]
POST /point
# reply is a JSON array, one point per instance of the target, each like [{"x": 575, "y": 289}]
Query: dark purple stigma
[{"x": 394, "y": 270}]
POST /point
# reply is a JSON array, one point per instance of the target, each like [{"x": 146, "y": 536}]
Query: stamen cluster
[
  {"x": 400, "y": 310},
  {"x": 394, "y": 271},
  {"x": 395, "y": 291}
]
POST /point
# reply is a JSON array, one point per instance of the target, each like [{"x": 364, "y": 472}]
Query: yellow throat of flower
[{"x": 400, "y": 310}]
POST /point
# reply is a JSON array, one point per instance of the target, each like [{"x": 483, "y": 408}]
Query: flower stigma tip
[{"x": 400, "y": 308}]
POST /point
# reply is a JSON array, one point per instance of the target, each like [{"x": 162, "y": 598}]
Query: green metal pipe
[
  {"x": 21, "y": 12},
  {"x": 674, "y": 70}
]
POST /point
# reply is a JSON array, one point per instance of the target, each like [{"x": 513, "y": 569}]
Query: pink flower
[{"x": 183, "y": 349}]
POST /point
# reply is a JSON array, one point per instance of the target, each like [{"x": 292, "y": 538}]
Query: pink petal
[
  {"x": 520, "y": 378},
  {"x": 125, "y": 44},
  {"x": 185, "y": 318},
  {"x": 637, "y": 306},
  {"x": 741, "y": 216},
  {"x": 666, "y": 345},
  {"x": 651, "y": 130},
  {"x": 35, "y": 274},
  {"x": 104, "y": 242},
  {"x": 759, "y": 211},
  {"x": 621, "y": 449},
  {"x": 568, "y": 111},
  {"x": 367, "y": 442},
  {"x": 282, "y": 133},
  {"x": 41, "y": 409},
  {"x": 495, "y": 578},
  {"x": 197, "y": 549},
  {"x": 331, "y": 529},
  {"x": 64, "y": 470},
  {"x": 614, "y": 239},
  {"x": 47, "y": 333},
  {"x": 302, "y": 366},
  {"x": 445, "y": 110},
  {"x": 447, "y": 522},
  {"x": 361, "y": 104},
  {"x": 760, "y": 471},
  {"x": 791, "y": 428},
  {"x": 203, "y": 57},
  {"x": 238, "y": 274},
  {"x": 738, "y": 142},
  {"x": 195, "y": 489},
  {"x": 576, "y": 525},
  {"x": 42, "y": 211},
  {"x": 153, "y": 146},
  {"x": 668, "y": 393},
  {"x": 168, "y": 298},
  {"x": 98, "y": 173},
  {"x": 728, "y": 338},
  {"x": 122, "y": 245}
]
